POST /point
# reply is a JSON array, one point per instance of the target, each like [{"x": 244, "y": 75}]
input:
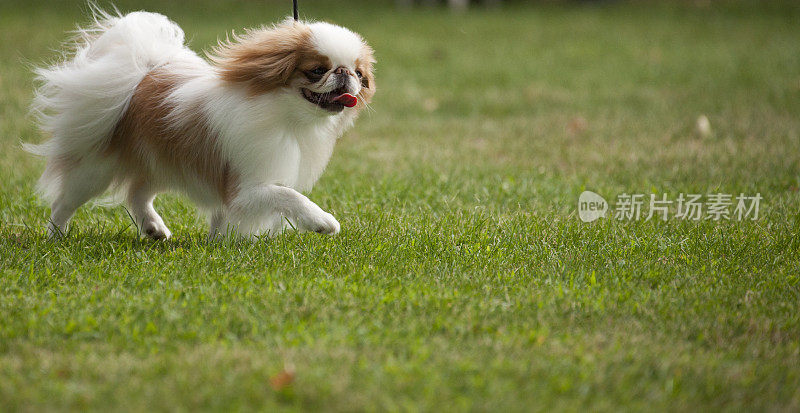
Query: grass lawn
[{"x": 462, "y": 278}]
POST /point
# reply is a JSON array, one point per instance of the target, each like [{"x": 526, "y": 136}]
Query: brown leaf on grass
[
  {"x": 282, "y": 380},
  {"x": 577, "y": 126}
]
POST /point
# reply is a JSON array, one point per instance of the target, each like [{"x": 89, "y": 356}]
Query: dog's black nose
[{"x": 341, "y": 70}]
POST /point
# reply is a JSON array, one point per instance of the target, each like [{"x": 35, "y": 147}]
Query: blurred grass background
[{"x": 462, "y": 278}]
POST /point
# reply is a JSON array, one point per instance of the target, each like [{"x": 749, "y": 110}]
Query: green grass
[{"x": 462, "y": 278}]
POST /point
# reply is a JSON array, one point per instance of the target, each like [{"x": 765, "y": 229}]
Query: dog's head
[{"x": 325, "y": 65}]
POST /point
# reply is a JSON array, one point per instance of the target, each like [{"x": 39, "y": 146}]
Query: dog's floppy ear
[{"x": 263, "y": 59}]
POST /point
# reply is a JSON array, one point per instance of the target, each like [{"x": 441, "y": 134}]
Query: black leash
[{"x": 296, "y": 16}]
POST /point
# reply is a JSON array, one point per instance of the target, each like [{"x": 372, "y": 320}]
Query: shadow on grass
[{"x": 25, "y": 237}]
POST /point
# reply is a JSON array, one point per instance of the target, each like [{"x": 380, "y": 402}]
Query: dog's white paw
[
  {"x": 156, "y": 230},
  {"x": 314, "y": 219}
]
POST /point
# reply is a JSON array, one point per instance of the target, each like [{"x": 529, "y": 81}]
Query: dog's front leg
[{"x": 265, "y": 209}]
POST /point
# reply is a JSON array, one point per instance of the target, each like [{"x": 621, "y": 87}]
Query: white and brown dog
[{"x": 241, "y": 134}]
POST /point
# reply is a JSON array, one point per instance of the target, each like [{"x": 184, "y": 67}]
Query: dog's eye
[
  {"x": 359, "y": 74},
  {"x": 318, "y": 71}
]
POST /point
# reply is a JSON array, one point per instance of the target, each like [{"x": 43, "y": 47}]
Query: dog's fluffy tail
[{"x": 80, "y": 100}]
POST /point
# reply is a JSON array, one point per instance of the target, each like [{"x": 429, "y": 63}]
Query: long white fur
[
  {"x": 80, "y": 101},
  {"x": 277, "y": 143}
]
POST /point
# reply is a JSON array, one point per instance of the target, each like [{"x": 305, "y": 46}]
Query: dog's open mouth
[{"x": 334, "y": 101}]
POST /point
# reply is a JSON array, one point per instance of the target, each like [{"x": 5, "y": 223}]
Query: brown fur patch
[
  {"x": 267, "y": 59},
  {"x": 364, "y": 64},
  {"x": 144, "y": 133}
]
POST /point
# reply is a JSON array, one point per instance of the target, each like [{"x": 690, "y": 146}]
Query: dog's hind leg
[
  {"x": 74, "y": 185},
  {"x": 140, "y": 200}
]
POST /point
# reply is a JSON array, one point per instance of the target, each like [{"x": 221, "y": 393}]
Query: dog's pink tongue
[{"x": 346, "y": 99}]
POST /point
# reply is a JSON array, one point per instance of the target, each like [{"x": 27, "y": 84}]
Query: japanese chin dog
[{"x": 241, "y": 133}]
